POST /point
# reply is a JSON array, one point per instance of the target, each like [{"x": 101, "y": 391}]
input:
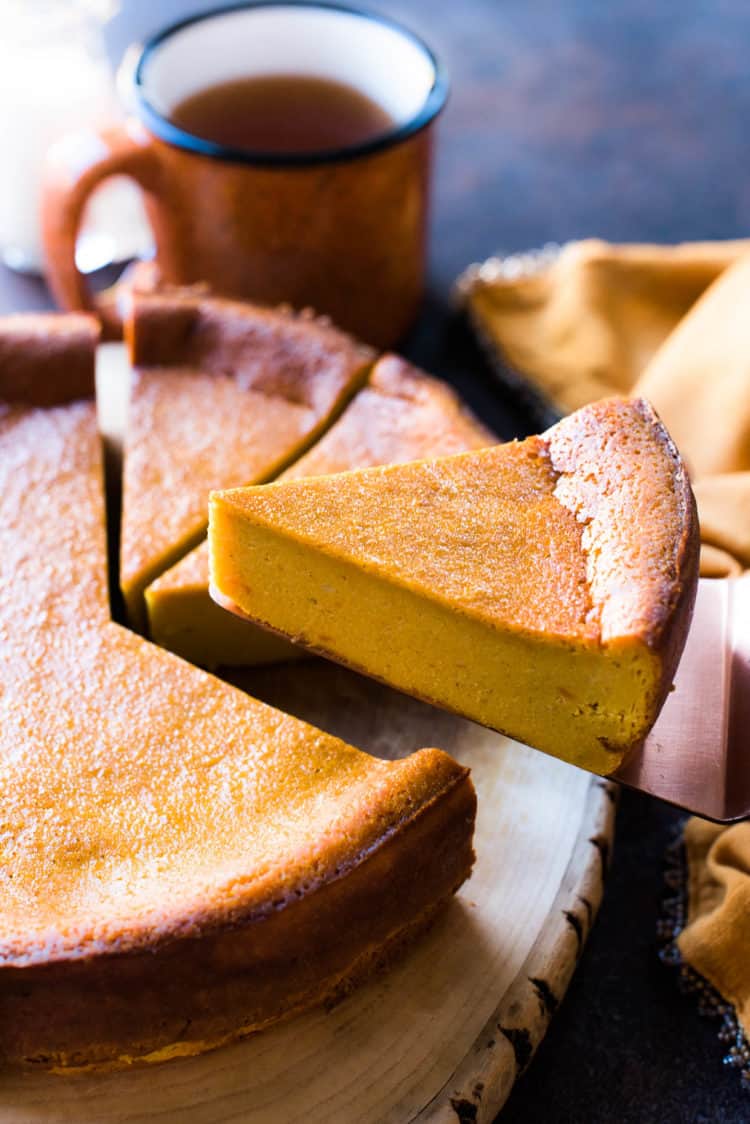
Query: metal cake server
[{"x": 698, "y": 754}]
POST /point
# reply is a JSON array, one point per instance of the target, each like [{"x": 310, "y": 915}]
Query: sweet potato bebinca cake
[
  {"x": 543, "y": 588},
  {"x": 159, "y": 827}
]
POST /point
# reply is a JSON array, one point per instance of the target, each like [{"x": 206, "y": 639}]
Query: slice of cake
[
  {"x": 401, "y": 414},
  {"x": 542, "y": 588},
  {"x": 223, "y": 393}
]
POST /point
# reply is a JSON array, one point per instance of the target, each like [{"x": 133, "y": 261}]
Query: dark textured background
[{"x": 628, "y": 121}]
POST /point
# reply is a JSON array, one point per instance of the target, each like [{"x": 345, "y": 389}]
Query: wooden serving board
[{"x": 443, "y": 1034}]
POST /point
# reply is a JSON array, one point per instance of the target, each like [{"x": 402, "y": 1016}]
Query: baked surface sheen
[
  {"x": 161, "y": 827},
  {"x": 543, "y": 588},
  {"x": 400, "y": 414}
]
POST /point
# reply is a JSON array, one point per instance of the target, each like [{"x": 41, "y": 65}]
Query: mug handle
[{"x": 76, "y": 165}]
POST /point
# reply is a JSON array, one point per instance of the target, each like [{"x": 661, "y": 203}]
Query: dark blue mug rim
[{"x": 172, "y": 134}]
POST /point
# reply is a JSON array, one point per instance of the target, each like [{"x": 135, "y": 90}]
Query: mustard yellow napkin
[
  {"x": 673, "y": 324},
  {"x": 716, "y": 939}
]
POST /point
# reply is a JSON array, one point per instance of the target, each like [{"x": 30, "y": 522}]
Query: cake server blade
[{"x": 697, "y": 756}]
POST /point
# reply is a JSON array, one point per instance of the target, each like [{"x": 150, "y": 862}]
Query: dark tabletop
[{"x": 629, "y": 121}]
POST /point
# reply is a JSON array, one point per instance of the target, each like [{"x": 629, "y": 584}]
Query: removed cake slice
[
  {"x": 541, "y": 588},
  {"x": 223, "y": 393},
  {"x": 399, "y": 415}
]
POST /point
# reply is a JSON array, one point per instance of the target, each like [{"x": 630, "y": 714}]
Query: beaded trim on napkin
[
  {"x": 710, "y": 1003},
  {"x": 508, "y": 267}
]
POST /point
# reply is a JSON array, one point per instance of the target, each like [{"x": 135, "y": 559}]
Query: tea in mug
[{"x": 282, "y": 113}]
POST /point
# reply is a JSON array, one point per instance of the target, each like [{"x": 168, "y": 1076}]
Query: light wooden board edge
[{"x": 503, "y": 1051}]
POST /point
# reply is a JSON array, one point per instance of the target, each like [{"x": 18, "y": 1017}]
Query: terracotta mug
[{"x": 340, "y": 231}]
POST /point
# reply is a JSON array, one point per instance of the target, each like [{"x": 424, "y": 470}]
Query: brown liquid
[{"x": 282, "y": 113}]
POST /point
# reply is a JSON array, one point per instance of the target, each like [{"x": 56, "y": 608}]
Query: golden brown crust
[
  {"x": 47, "y": 359},
  {"x": 149, "y": 741},
  {"x": 252, "y": 973},
  {"x": 620, "y": 474},
  {"x": 677, "y": 611},
  {"x": 366, "y": 965},
  {"x": 52, "y": 522}
]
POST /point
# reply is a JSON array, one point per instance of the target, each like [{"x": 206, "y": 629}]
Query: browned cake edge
[
  {"x": 188, "y": 995},
  {"x": 181, "y": 328},
  {"x": 47, "y": 359},
  {"x": 662, "y": 620},
  {"x": 671, "y": 633}
]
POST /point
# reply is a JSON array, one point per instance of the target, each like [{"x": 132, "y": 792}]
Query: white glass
[{"x": 55, "y": 78}]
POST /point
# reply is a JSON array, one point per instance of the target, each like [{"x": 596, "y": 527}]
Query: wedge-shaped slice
[
  {"x": 179, "y": 863},
  {"x": 542, "y": 588},
  {"x": 400, "y": 415},
  {"x": 223, "y": 393}
]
